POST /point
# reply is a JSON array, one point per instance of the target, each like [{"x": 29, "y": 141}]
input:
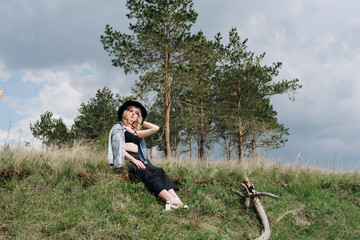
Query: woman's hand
[{"x": 139, "y": 164}]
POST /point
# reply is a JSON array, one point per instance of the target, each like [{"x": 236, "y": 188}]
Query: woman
[{"x": 126, "y": 140}]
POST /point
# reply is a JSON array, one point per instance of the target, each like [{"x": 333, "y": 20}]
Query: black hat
[{"x": 135, "y": 104}]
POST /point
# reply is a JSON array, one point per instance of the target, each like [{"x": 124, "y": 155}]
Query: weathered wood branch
[
  {"x": 257, "y": 194},
  {"x": 251, "y": 196},
  {"x": 264, "y": 220}
]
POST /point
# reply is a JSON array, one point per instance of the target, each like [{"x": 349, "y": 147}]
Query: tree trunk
[
  {"x": 190, "y": 146},
  {"x": 198, "y": 144},
  {"x": 167, "y": 148},
  {"x": 174, "y": 145},
  {"x": 239, "y": 133},
  {"x": 229, "y": 151},
  {"x": 240, "y": 139},
  {"x": 253, "y": 147},
  {"x": 201, "y": 134}
]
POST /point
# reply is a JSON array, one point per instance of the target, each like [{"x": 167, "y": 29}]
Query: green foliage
[
  {"x": 97, "y": 116},
  {"x": 161, "y": 33},
  {"x": 155, "y": 116},
  {"x": 263, "y": 128},
  {"x": 92, "y": 124},
  {"x": 193, "y": 98},
  {"x": 51, "y": 131},
  {"x": 103, "y": 141},
  {"x": 159, "y": 46},
  {"x": 43, "y": 128},
  {"x": 244, "y": 87}
]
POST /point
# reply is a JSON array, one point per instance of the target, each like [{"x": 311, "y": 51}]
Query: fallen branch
[{"x": 251, "y": 196}]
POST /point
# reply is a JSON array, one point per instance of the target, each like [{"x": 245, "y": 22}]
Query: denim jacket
[{"x": 116, "y": 148}]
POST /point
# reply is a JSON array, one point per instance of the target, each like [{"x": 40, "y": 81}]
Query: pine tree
[
  {"x": 161, "y": 38},
  {"x": 51, "y": 131},
  {"x": 245, "y": 82},
  {"x": 97, "y": 116}
]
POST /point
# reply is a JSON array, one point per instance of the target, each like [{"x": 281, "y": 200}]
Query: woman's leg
[
  {"x": 174, "y": 195},
  {"x": 165, "y": 195},
  {"x": 172, "y": 199},
  {"x": 168, "y": 195}
]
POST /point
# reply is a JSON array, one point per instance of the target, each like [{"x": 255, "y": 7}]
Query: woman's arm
[
  {"x": 151, "y": 129},
  {"x": 138, "y": 163}
]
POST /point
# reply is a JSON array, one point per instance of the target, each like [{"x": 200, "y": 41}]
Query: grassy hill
[{"x": 73, "y": 194}]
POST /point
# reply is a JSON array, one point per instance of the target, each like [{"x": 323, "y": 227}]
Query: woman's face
[{"x": 133, "y": 114}]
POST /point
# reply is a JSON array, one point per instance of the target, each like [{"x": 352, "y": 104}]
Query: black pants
[{"x": 154, "y": 177}]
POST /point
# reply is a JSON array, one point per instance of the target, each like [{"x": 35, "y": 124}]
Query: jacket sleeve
[
  {"x": 116, "y": 148},
  {"x": 142, "y": 152}
]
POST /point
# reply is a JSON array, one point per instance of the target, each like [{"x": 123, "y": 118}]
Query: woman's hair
[{"x": 137, "y": 124}]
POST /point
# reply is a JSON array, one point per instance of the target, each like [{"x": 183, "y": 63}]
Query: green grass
[{"x": 73, "y": 194}]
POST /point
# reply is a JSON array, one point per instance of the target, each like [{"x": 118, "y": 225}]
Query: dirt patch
[{"x": 6, "y": 175}]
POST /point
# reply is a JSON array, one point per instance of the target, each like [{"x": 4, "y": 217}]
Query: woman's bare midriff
[{"x": 131, "y": 147}]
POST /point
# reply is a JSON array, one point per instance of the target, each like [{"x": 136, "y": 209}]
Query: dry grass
[{"x": 71, "y": 193}]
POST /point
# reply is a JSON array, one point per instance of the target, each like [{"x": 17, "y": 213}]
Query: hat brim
[{"x": 129, "y": 104}]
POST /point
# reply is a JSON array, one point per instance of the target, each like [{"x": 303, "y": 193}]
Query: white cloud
[
  {"x": 57, "y": 93},
  {"x": 44, "y": 76},
  {"x": 18, "y": 133},
  {"x": 3, "y": 135},
  {"x": 61, "y": 92},
  {"x": 5, "y": 73}
]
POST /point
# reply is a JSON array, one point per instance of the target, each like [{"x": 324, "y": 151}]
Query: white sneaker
[
  {"x": 178, "y": 205},
  {"x": 168, "y": 205}
]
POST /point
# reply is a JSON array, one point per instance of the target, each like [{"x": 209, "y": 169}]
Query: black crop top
[{"x": 129, "y": 137}]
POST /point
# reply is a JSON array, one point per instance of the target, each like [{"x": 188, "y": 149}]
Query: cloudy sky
[{"x": 51, "y": 59}]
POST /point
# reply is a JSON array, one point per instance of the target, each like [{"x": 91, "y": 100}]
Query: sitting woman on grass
[{"x": 126, "y": 141}]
